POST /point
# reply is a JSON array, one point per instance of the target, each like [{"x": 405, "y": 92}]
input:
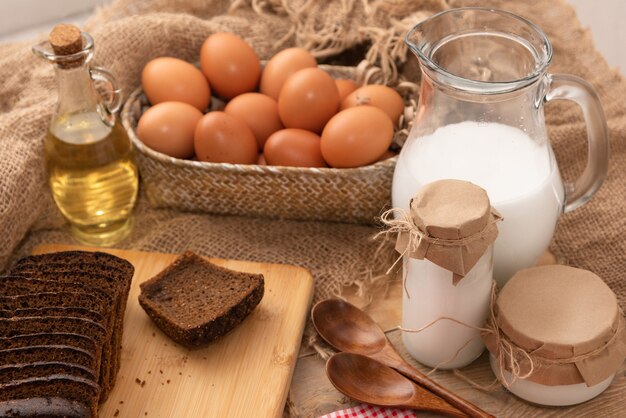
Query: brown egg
[
  {"x": 382, "y": 97},
  {"x": 356, "y": 136},
  {"x": 259, "y": 112},
  {"x": 294, "y": 148},
  {"x": 169, "y": 79},
  {"x": 169, "y": 128},
  {"x": 230, "y": 64},
  {"x": 345, "y": 87},
  {"x": 281, "y": 66},
  {"x": 308, "y": 99},
  {"x": 222, "y": 138}
]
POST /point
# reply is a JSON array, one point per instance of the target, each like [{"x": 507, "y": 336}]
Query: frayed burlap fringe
[{"x": 329, "y": 28}]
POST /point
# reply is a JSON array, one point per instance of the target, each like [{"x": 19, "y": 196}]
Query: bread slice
[
  {"x": 29, "y": 325},
  {"x": 37, "y": 300},
  {"x": 49, "y": 338},
  {"x": 48, "y": 407},
  {"x": 69, "y": 387},
  {"x": 12, "y": 372},
  {"x": 57, "y": 312},
  {"x": 21, "y": 285},
  {"x": 72, "y": 257},
  {"x": 56, "y": 353},
  {"x": 194, "y": 301}
]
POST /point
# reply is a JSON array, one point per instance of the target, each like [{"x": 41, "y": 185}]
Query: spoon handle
[{"x": 454, "y": 400}]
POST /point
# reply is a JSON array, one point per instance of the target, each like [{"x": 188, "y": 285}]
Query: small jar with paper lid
[
  {"x": 556, "y": 335},
  {"x": 447, "y": 246}
]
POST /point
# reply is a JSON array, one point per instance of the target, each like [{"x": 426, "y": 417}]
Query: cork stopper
[{"x": 66, "y": 40}]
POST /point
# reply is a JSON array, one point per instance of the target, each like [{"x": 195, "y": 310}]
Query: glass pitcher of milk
[{"x": 480, "y": 118}]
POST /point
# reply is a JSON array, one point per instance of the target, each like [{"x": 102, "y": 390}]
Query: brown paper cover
[
  {"x": 455, "y": 224},
  {"x": 567, "y": 320}
]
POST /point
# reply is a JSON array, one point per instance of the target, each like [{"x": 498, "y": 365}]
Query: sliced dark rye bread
[
  {"x": 36, "y": 300},
  {"x": 30, "y": 325},
  {"x": 111, "y": 281},
  {"x": 48, "y": 338},
  {"x": 116, "y": 270},
  {"x": 20, "y": 285},
  {"x": 11, "y": 372},
  {"x": 194, "y": 301},
  {"x": 48, "y": 407},
  {"x": 10, "y": 327},
  {"x": 78, "y": 257},
  {"x": 65, "y": 386},
  {"x": 40, "y": 353},
  {"x": 57, "y": 311},
  {"x": 17, "y": 286},
  {"x": 80, "y": 261},
  {"x": 117, "y": 277}
]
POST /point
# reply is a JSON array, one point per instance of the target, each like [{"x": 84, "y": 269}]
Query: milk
[
  {"x": 519, "y": 174},
  {"x": 430, "y": 295}
]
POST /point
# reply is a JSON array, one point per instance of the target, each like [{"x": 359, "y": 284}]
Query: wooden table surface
[{"x": 311, "y": 394}]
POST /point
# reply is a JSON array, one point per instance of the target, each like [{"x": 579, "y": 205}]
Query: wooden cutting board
[{"x": 244, "y": 374}]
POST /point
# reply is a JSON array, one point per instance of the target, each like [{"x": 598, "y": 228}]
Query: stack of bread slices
[{"x": 61, "y": 324}]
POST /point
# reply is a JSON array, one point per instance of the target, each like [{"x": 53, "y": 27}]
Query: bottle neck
[{"x": 76, "y": 91}]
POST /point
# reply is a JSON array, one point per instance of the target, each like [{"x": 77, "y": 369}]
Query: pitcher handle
[
  {"x": 113, "y": 103},
  {"x": 569, "y": 87}
]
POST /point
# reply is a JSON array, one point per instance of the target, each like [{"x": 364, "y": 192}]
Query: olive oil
[
  {"x": 92, "y": 176},
  {"x": 89, "y": 156}
]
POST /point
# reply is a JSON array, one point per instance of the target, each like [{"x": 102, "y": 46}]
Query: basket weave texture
[{"x": 356, "y": 195}]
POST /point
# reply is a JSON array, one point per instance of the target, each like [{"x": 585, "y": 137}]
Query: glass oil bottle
[{"x": 91, "y": 170}]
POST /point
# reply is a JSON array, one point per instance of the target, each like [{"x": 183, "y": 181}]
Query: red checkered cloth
[{"x": 371, "y": 411}]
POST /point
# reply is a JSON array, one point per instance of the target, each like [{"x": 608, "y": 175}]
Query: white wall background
[
  {"x": 607, "y": 20},
  {"x": 24, "y": 19}
]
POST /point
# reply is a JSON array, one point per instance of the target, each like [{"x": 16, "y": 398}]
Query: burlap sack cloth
[{"x": 129, "y": 33}]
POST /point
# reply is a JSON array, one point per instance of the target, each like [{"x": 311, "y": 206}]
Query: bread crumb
[
  {"x": 168, "y": 381},
  {"x": 161, "y": 371},
  {"x": 180, "y": 373},
  {"x": 116, "y": 413},
  {"x": 140, "y": 382},
  {"x": 154, "y": 334},
  {"x": 121, "y": 402},
  {"x": 149, "y": 371}
]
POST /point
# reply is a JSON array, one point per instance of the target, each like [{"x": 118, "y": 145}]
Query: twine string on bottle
[{"x": 399, "y": 223}]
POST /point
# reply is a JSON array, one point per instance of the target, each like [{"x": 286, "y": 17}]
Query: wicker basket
[{"x": 354, "y": 195}]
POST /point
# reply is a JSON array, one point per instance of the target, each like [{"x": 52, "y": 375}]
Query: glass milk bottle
[
  {"x": 480, "y": 118},
  {"x": 91, "y": 170},
  {"x": 446, "y": 242}
]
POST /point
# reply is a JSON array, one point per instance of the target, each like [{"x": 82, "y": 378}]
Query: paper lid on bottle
[
  {"x": 566, "y": 320},
  {"x": 454, "y": 224}
]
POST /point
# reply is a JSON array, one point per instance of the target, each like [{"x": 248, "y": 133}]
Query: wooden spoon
[
  {"x": 369, "y": 381},
  {"x": 349, "y": 329}
]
